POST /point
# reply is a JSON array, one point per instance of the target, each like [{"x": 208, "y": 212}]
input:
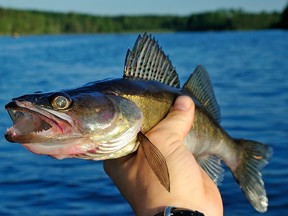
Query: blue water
[{"x": 249, "y": 72}]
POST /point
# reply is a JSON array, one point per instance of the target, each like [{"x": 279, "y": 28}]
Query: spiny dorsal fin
[
  {"x": 200, "y": 86},
  {"x": 147, "y": 61}
]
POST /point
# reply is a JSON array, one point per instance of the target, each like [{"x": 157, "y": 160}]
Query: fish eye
[{"x": 61, "y": 101}]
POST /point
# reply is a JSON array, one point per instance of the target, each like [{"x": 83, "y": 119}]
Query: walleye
[{"x": 108, "y": 119}]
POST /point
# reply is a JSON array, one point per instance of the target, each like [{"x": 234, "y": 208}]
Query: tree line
[{"x": 38, "y": 22}]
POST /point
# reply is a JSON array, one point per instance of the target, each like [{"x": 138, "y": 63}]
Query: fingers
[{"x": 175, "y": 126}]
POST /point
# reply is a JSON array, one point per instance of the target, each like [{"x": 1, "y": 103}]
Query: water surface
[{"x": 249, "y": 73}]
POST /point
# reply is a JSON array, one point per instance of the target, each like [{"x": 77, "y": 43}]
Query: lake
[{"x": 249, "y": 73}]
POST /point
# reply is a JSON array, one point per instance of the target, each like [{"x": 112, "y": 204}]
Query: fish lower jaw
[
  {"x": 58, "y": 149},
  {"x": 74, "y": 148},
  {"x": 18, "y": 135},
  {"x": 30, "y": 128}
]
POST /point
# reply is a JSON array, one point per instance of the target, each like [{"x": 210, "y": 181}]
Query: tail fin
[{"x": 253, "y": 157}]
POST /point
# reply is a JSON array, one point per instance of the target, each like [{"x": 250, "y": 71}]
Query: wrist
[
  {"x": 158, "y": 206},
  {"x": 169, "y": 210}
]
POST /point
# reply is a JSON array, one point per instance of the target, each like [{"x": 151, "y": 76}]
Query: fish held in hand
[{"x": 108, "y": 119}]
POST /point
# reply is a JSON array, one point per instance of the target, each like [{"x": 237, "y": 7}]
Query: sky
[{"x": 137, "y": 7}]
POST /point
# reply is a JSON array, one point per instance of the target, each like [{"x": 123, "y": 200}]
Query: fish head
[{"x": 89, "y": 125}]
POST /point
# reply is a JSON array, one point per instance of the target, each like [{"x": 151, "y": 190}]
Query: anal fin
[
  {"x": 156, "y": 160},
  {"x": 212, "y": 166}
]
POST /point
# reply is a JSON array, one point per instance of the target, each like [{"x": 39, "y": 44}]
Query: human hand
[{"x": 190, "y": 186}]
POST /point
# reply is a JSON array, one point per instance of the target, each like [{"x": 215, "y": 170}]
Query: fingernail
[{"x": 183, "y": 103}]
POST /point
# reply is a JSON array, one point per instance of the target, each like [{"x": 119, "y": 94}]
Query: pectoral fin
[{"x": 156, "y": 160}]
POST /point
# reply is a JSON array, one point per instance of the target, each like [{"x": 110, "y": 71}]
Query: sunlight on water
[{"x": 249, "y": 72}]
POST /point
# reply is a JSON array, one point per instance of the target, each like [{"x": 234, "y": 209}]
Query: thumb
[
  {"x": 181, "y": 115},
  {"x": 175, "y": 126}
]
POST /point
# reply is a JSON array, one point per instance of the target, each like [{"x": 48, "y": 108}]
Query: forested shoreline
[{"x": 39, "y": 22}]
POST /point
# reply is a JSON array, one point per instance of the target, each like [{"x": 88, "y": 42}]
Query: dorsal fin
[
  {"x": 200, "y": 86},
  {"x": 147, "y": 61}
]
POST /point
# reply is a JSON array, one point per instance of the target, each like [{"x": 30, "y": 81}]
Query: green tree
[
  {"x": 284, "y": 18},
  {"x": 37, "y": 22}
]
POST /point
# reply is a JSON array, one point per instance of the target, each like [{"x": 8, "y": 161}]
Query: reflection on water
[{"x": 248, "y": 70}]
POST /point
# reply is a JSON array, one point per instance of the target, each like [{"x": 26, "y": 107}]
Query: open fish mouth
[{"x": 32, "y": 123}]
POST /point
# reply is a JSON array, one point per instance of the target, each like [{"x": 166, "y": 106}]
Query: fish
[{"x": 108, "y": 119}]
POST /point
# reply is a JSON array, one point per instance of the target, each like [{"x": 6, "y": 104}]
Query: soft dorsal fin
[
  {"x": 200, "y": 86},
  {"x": 147, "y": 61}
]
